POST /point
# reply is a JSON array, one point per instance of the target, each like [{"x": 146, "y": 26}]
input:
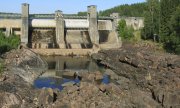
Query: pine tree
[
  {"x": 151, "y": 21},
  {"x": 168, "y": 32},
  {"x": 174, "y": 40}
]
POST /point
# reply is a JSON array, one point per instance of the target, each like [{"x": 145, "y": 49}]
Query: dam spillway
[{"x": 59, "y": 32}]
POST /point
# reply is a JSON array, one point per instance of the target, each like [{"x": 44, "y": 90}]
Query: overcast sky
[{"x": 67, "y": 6}]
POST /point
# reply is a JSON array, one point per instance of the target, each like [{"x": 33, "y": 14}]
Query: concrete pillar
[
  {"x": 59, "y": 29},
  {"x": 93, "y": 26},
  {"x": 8, "y": 31},
  {"x": 25, "y": 24},
  {"x": 115, "y": 17},
  {"x": 60, "y": 66},
  {"x": 118, "y": 42}
]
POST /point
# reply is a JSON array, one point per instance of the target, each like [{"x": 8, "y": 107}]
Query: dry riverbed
[{"x": 140, "y": 79}]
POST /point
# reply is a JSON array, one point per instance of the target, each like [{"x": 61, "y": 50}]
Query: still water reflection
[{"x": 57, "y": 65}]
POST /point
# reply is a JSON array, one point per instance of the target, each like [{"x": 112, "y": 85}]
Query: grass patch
[
  {"x": 8, "y": 43},
  {"x": 136, "y": 39}
]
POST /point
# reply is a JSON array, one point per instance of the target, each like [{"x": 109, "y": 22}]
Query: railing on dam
[
  {"x": 47, "y": 16},
  {"x": 10, "y": 16}
]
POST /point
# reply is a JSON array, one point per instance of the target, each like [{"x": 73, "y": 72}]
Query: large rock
[
  {"x": 98, "y": 75},
  {"x": 70, "y": 83},
  {"x": 143, "y": 69},
  {"x": 46, "y": 97},
  {"x": 112, "y": 74},
  {"x": 25, "y": 63},
  {"x": 69, "y": 75},
  {"x": 9, "y": 100}
]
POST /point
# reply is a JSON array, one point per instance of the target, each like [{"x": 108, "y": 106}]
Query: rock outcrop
[
  {"x": 151, "y": 79},
  {"x": 24, "y": 63},
  {"x": 139, "y": 78}
]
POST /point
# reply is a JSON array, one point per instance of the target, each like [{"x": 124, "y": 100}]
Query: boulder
[
  {"x": 69, "y": 75},
  {"x": 71, "y": 89},
  {"x": 112, "y": 88},
  {"x": 70, "y": 83},
  {"x": 25, "y": 63},
  {"x": 112, "y": 74},
  {"x": 46, "y": 96},
  {"x": 172, "y": 100},
  {"x": 91, "y": 77},
  {"x": 9, "y": 100},
  {"x": 102, "y": 87},
  {"x": 98, "y": 75},
  {"x": 3, "y": 78}
]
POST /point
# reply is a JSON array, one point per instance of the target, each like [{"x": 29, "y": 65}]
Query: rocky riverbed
[
  {"x": 147, "y": 79},
  {"x": 140, "y": 78}
]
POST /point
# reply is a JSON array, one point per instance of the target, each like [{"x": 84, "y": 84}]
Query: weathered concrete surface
[
  {"x": 51, "y": 23},
  {"x": 135, "y": 22},
  {"x": 65, "y": 52},
  {"x": 25, "y": 24},
  {"x": 13, "y": 23},
  {"x": 93, "y": 26}
]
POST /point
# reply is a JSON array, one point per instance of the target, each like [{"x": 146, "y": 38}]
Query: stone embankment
[{"x": 139, "y": 79}]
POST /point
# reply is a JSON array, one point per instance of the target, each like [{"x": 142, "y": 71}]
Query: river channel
[{"x": 57, "y": 65}]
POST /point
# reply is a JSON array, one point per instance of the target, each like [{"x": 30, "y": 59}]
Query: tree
[
  {"x": 151, "y": 22},
  {"x": 169, "y": 25},
  {"x": 82, "y": 13},
  {"x": 133, "y": 10},
  {"x": 125, "y": 32},
  {"x": 173, "y": 43},
  {"x": 167, "y": 8}
]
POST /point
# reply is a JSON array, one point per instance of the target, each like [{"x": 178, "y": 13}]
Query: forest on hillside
[
  {"x": 133, "y": 10},
  {"x": 162, "y": 23}
]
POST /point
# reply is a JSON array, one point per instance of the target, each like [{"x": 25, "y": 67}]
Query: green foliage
[
  {"x": 82, "y": 14},
  {"x": 8, "y": 43},
  {"x": 151, "y": 22},
  {"x": 172, "y": 42},
  {"x": 170, "y": 25},
  {"x": 1, "y": 67},
  {"x": 126, "y": 33},
  {"x": 133, "y": 10},
  {"x": 166, "y": 10},
  {"x": 163, "y": 19},
  {"x": 137, "y": 36}
]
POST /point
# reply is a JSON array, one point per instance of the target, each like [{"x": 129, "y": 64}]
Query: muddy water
[{"x": 57, "y": 65}]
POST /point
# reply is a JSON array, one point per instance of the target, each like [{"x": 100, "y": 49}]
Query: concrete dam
[{"x": 61, "y": 34}]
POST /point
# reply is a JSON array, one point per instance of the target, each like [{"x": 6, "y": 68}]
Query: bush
[
  {"x": 177, "y": 50},
  {"x": 8, "y": 43},
  {"x": 1, "y": 67},
  {"x": 126, "y": 33}
]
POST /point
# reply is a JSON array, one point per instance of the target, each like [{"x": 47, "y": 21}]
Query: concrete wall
[
  {"x": 67, "y": 32},
  {"x": 135, "y": 22}
]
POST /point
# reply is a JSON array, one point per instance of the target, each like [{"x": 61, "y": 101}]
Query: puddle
[{"x": 57, "y": 65}]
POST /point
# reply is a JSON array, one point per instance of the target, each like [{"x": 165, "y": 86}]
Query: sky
[{"x": 67, "y": 6}]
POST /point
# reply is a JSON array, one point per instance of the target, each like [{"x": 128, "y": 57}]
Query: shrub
[
  {"x": 125, "y": 32},
  {"x": 8, "y": 43}
]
